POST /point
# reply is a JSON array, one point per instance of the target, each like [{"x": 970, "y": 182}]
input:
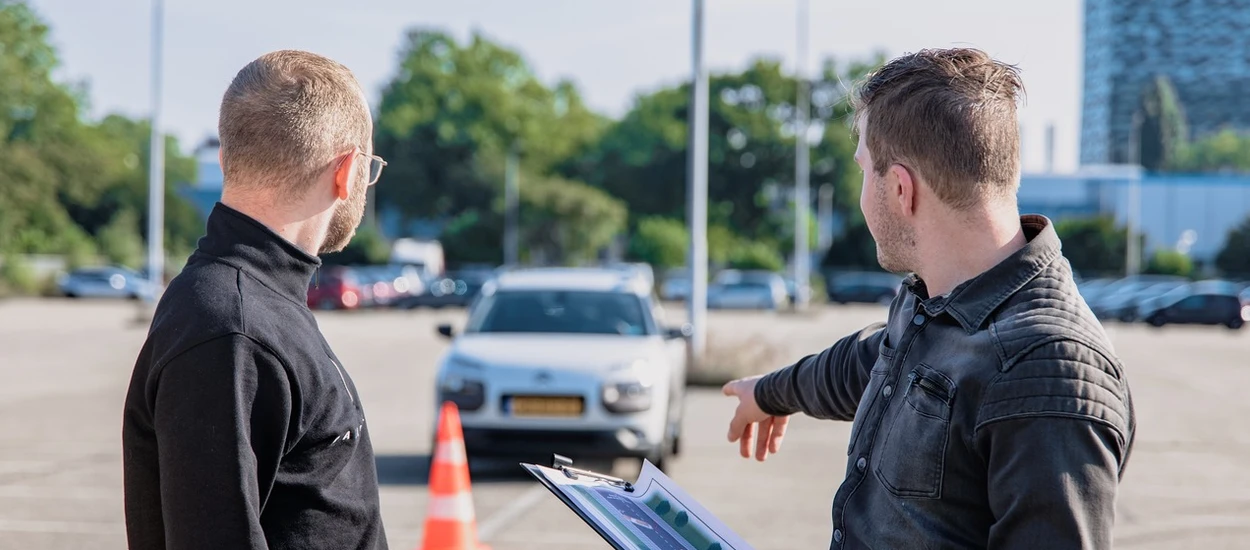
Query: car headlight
[
  {"x": 464, "y": 389},
  {"x": 629, "y": 387}
]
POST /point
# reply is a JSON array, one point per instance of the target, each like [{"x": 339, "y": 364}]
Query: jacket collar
[
  {"x": 239, "y": 240},
  {"x": 972, "y": 302}
]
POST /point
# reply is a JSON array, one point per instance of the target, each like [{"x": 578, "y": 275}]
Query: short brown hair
[
  {"x": 949, "y": 114},
  {"x": 286, "y": 116}
]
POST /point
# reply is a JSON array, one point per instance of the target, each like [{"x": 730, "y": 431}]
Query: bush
[
  {"x": 1170, "y": 262},
  {"x": 756, "y": 255},
  {"x": 17, "y": 277},
  {"x": 1234, "y": 258},
  {"x": 661, "y": 242}
]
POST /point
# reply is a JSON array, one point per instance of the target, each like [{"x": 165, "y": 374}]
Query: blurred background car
[
  {"x": 675, "y": 287},
  {"x": 1123, "y": 305},
  {"x": 1203, "y": 303},
  {"x": 571, "y": 360},
  {"x": 1113, "y": 298},
  {"x": 105, "y": 282},
  {"x": 734, "y": 289},
  {"x": 864, "y": 287},
  {"x": 335, "y": 287},
  {"x": 457, "y": 289}
]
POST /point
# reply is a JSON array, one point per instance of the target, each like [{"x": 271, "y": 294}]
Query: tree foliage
[
  {"x": 1094, "y": 245},
  {"x": 661, "y": 242},
  {"x": 1170, "y": 262},
  {"x": 1164, "y": 132},
  {"x": 1234, "y": 258},
  {"x": 64, "y": 179}
]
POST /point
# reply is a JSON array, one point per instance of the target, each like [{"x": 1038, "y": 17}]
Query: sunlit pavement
[{"x": 66, "y": 364}]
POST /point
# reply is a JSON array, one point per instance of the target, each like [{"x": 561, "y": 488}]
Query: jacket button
[
  {"x": 861, "y": 463},
  {"x": 918, "y": 319},
  {"x": 837, "y": 535},
  {"x": 887, "y": 391}
]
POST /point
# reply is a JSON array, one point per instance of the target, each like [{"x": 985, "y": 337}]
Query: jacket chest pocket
[
  {"x": 872, "y": 392},
  {"x": 912, "y": 458}
]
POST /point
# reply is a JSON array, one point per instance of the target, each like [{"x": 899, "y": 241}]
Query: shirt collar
[
  {"x": 972, "y": 302},
  {"x": 243, "y": 242}
]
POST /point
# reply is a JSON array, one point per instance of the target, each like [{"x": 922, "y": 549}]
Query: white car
[
  {"x": 105, "y": 282},
  {"x": 567, "y": 361},
  {"x": 733, "y": 289}
]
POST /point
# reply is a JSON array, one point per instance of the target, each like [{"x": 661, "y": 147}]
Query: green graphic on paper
[{"x": 679, "y": 520}]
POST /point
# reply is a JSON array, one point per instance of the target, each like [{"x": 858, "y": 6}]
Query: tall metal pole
[
  {"x": 1133, "y": 257},
  {"x": 511, "y": 240},
  {"x": 802, "y": 185},
  {"x": 697, "y": 188},
  {"x": 156, "y": 162}
]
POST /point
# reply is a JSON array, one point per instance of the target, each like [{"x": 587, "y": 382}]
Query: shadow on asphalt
[{"x": 414, "y": 470}]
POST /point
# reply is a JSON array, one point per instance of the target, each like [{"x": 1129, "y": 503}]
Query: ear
[
  {"x": 904, "y": 188},
  {"x": 343, "y": 175}
]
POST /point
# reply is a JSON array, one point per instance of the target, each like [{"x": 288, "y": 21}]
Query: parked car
[
  {"x": 676, "y": 285},
  {"x": 1206, "y": 303},
  {"x": 1123, "y": 305},
  {"x": 457, "y": 289},
  {"x": 864, "y": 287},
  {"x": 335, "y": 288},
  {"x": 734, "y": 289},
  {"x": 569, "y": 361},
  {"x": 105, "y": 282},
  {"x": 1113, "y": 296}
]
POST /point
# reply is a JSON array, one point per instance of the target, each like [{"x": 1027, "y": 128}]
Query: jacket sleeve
[
  {"x": 222, "y": 412},
  {"x": 1055, "y": 432},
  {"x": 827, "y": 385}
]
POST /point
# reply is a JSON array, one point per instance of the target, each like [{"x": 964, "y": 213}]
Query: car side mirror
[
  {"x": 684, "y": 331},
  {"x": 446, "y": 331}
]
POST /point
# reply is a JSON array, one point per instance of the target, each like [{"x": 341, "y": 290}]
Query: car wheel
[
  {"x": 1234, "y": 324},
  {"x": 1155, "y": 321}
]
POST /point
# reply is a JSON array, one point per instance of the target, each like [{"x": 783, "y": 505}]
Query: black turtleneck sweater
[{"x": 242, "y": 429}]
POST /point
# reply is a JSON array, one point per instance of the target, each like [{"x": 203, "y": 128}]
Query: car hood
[{"x": 588, "y": 352}]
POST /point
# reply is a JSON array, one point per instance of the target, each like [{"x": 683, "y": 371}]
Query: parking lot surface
[{"x": 66, "y": 364}]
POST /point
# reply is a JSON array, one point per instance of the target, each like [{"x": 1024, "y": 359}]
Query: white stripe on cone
[
  {"x": 450, "y": 452},
  {"x": 455, "y": 508}
]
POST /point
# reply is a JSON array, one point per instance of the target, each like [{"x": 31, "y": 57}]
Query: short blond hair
[{"x": 285, "y": 118}]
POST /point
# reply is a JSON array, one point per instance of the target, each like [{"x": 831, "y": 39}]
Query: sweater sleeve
[{"x": 222, "y": 413}]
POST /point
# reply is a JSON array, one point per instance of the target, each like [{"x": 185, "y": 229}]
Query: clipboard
[{"x": 653, "y": 512}]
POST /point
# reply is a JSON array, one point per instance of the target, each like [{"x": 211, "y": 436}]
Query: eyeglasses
[{"x": 375, "y": 165}]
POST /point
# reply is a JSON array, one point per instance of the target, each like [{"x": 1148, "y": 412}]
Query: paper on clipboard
[{"x": 655, "y": 514}]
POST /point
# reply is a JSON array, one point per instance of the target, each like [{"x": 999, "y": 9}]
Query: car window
[
  {"x": 562, "y": 312},
  {"x": 1193, "y": 302}
]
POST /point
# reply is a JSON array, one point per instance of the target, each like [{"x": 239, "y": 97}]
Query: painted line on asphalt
[{"x": 514, "y": 510}]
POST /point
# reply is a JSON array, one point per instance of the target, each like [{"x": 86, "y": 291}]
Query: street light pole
[
  {"x": 802, "y": 185},
  {"x": 1133, "y": 256},
  {"x": 697, "y": 189},
  {"x": 156, "y": 162}
]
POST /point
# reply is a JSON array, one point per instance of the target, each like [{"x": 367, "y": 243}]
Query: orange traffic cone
[{"x": 449, "y": 520}]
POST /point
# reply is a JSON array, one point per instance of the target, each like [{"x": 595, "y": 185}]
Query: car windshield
[{"x": 561, "y": 312}]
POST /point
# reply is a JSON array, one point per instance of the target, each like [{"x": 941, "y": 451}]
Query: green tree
[
  {"x": 1164, "y": 132},
  {"x": 567, "y": 222},
  {"x": 16, "y": 276},
  {"x": 120, "y": 241},
  {"x": 661, "y": 242},
  {"x": 453, "y": 107},
  {"x": 642, "y": 158},
  {"x": 1224, "y": 151},
  {"x": 854, "y": 249},
  {"x": 1234, "y": 258},
  {"x": 1170, "y": 262}
]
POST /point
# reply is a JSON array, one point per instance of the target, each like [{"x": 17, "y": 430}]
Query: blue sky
[{"x": 613, "y": 50}]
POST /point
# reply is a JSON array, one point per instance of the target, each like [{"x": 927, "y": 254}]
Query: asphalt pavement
[{"x": 66, "y": 364}]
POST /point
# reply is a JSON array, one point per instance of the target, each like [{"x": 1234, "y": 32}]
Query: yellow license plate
[{"x": 546, "y": 406}]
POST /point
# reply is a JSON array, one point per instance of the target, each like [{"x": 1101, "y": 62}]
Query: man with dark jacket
[
  {"x": 242, "y": 429},
  {"x": 990, "y": 410}
]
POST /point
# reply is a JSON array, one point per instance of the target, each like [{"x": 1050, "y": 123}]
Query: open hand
[{"x": 742, "y": 428}]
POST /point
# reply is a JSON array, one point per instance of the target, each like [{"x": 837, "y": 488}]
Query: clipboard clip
[{"x": 565, "y": 465}]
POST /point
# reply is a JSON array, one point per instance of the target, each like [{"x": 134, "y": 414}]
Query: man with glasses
[{"x": 241, "y": 428}]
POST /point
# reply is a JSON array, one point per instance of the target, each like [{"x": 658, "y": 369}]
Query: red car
[{"x": 334, "y": 288}]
